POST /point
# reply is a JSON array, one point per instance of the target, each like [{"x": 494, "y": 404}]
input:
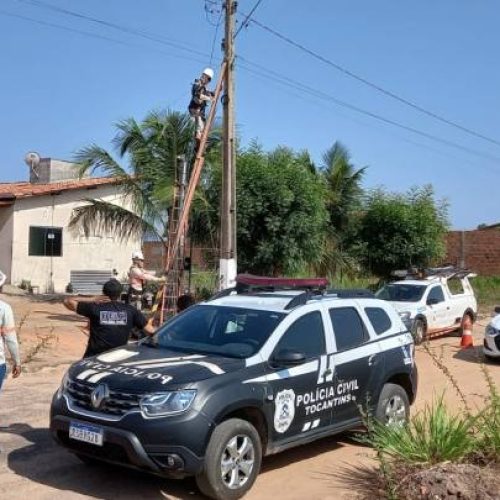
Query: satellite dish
[{"x": 32, "y": 159}]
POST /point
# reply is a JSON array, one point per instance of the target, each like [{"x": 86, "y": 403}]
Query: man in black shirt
[
  {"x": 200, "y": 97},
  {"x": 110, "y": 321}
]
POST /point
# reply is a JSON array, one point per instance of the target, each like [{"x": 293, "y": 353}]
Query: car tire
[
  {"x": 234, "y": 442},
  {"x": 419, "y": 331},
  {"x": 393, "y": 407}
]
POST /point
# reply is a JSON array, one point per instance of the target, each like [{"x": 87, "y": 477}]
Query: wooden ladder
[{"x": 166, "y": 304}]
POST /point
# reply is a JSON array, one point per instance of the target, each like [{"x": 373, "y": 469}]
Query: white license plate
[{"x": 86, "y": 433}]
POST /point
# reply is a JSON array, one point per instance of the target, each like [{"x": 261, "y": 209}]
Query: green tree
[
  {"x": 147, "y": 152},
  {"x": 402, "y": 230},
  {"x": 281, "y": 211},
  {"x": 343, "y": 200}
]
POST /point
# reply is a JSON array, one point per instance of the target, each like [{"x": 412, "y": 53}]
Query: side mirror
[
  {"x": 287, "y": 357},
  {"x": 432, "y": 302},
  {"x": 497, "y": 309}
]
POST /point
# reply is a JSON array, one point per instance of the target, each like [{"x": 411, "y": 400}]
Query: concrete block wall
[{"x": 478, "y": 250}]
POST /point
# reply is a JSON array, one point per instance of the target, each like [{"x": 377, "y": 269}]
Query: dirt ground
[{"x": 32, "y": 466}]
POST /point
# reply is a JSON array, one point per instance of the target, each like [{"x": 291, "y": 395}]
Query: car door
[
  {"x": 438, "y": 309},
  {"x": 358, "y": 361},
  {"x": 295, "y": 390}
]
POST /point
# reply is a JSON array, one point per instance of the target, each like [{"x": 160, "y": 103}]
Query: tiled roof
[{"x": 16, "y": 190}]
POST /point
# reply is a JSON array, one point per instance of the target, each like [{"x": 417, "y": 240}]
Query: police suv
[{"x": 236, "y": 378}]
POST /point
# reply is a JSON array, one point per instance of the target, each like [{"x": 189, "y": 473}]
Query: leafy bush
[{"x": 431, "y": 437}]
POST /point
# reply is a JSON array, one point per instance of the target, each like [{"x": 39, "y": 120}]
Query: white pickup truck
[{"x": 433, "y": 305}]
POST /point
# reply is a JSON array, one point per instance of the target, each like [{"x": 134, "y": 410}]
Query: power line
[
  {"x": 371, "y": 84},
  {"x": 274, "y": 76},
  {"x": 247, "y": 19},
  {"x": 94, "y": 35},
  {"x": 125, "y": 29},
  {"x": 284, "y": 80},
  {"x": 216, "y": 32}
]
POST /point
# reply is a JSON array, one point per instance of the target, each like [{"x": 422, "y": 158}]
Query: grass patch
[{"x": 487, "y": 290}]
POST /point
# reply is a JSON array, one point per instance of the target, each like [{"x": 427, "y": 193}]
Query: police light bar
[{"x": 249, "y": 280}]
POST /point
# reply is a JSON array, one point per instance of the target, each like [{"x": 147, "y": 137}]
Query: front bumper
[
  {"x": 491, "y": 346},
  {"x": 171, "y": 447}
]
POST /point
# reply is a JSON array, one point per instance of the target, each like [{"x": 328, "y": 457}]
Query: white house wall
[
  {"x": 6, "y": 234},
  {"x": 102, "y": 252}
]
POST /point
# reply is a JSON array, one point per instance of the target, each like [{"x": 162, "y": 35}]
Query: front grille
[
  {"x": 497, "y": 341},
  {"x": 117, "y": 404}
]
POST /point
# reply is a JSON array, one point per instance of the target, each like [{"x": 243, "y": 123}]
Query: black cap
[{"x": 112, "y": 289}]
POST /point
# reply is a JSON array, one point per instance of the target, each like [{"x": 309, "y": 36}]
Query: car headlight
[
  {"x": 64, "y": 385},
  {"x": 161, "y": 404},
  {"x": 492, "y": 331}
]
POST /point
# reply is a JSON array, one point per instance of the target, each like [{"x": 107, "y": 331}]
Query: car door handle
[
  {"x": 372, "y": 360},
  {"x": 327, "y": 372}
]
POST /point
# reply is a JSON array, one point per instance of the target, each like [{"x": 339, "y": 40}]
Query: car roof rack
[
  {"x": 447, "y": 272},
  {"x": 313, "y": 288}
]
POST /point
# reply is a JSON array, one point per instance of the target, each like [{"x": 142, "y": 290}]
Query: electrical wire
[
  {"x": 247, "y": 19},
  {"x": 269, "y": 75},
  {"x": 96, "y": 35},
  {"x": 367, "y": 82},
  {"x": 214, "y": 40},
  {"x": 284, "y": 80},
  {"x": 125, "y": 29}
]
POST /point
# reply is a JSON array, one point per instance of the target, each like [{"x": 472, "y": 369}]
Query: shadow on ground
[
  {"x": 41, "y": 460},
  {"x": 44, "y": 462}
]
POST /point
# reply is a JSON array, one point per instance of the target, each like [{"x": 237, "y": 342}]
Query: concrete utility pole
[{"x": 227, "y": 263}]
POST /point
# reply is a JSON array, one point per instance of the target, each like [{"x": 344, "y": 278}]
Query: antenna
[{"x": 32, "y": 159}]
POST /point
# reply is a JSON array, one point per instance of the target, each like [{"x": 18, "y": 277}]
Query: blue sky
[{"x": 60, "y": 90}]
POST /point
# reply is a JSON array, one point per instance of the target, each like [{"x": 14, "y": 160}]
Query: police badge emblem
[{"x": 284, "y": 410}]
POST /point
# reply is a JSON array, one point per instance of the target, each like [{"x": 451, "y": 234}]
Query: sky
[{"x": 65, "y": 81}]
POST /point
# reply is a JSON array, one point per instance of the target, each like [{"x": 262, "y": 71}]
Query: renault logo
[{"x": 98, "y": 395}]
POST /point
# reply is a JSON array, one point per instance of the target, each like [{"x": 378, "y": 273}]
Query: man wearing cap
[
  {"x": 137, "y": 278},
  {"x": 110, "y": 320},
  {"x": 200, "y": 96}
]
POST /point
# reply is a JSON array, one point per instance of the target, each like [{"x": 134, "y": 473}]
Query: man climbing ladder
[{"x": 200, "y": 97}]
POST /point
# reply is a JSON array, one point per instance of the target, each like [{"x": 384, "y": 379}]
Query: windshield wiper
[{"x": 148, "y": 341}]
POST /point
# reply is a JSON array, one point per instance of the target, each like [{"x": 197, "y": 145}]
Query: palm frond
[{"x": 102, "y": 217}]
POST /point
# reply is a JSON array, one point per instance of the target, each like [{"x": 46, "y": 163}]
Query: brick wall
[
  {"x": 154, "y": 252},
  {"x": 477, "y": 250},
  {"x": 155, "y": 255}
]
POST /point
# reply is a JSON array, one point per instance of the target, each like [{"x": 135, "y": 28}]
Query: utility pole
[{"x": 227, "y": 263}]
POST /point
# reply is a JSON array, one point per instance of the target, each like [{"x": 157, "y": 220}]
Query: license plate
[{"x": 86, "y": 433}]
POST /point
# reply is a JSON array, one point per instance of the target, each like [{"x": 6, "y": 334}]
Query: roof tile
[{"x": 27, "y": 190}]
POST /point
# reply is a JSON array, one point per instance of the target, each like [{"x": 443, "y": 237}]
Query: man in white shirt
[{"x": 8, "y": 338}]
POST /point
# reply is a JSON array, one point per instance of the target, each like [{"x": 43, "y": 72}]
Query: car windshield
[
  {"x": 225, "y": 331},
  {"x": 400, "y": 292}
]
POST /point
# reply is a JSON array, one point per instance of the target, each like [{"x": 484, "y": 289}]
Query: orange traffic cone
[{"x": 467, "y": 340}]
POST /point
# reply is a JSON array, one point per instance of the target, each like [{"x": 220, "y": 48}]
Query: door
[
  {"x": 438, "y": 309},
  {"x": 298, "y": 397},
  {"x": 358, "y": 362}
]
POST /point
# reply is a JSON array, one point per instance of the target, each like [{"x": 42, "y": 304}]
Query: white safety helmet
[
  {"x": 209, "y": 72},
  {"x": 137, "y": 255}
]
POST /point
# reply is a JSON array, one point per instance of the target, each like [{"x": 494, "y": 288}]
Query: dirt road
[{"x": 32, "y": 466}]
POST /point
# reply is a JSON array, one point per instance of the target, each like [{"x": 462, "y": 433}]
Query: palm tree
[
  {"x": 150, "y": 149},
  {"x": 344, "y": 193}
]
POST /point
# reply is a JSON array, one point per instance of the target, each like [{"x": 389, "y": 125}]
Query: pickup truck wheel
[
  {"x": 232, "y": 460},
  {"x": 393, "y": 406},
  {"x": 419, "y": 331}
]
